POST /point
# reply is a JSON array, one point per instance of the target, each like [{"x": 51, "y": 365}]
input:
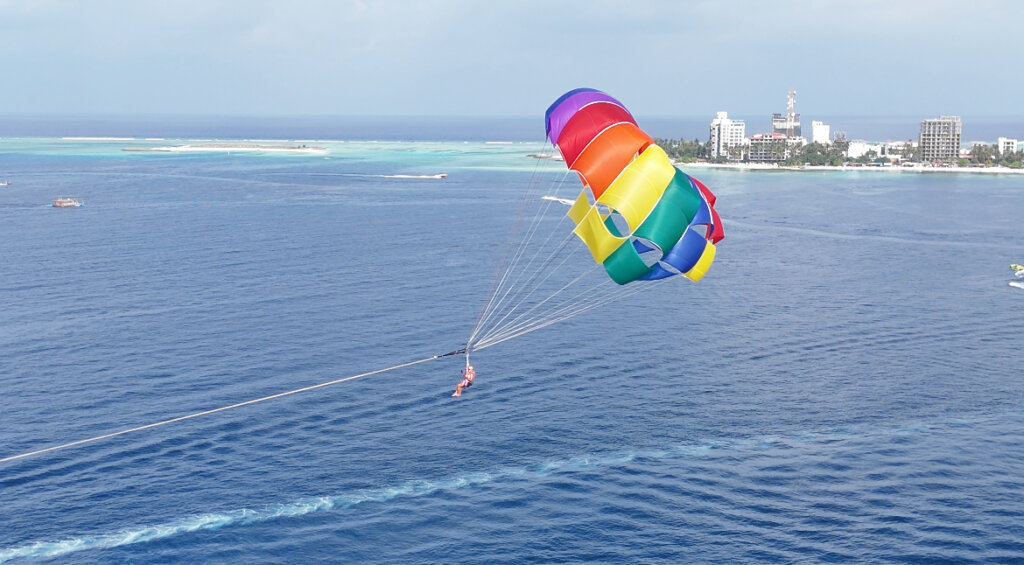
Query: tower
[
  {"x": 790, "y": 114},
  {"x": 787, "y": 124}
]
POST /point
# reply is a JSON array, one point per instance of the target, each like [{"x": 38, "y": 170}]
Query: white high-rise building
[
  {"x": 820, "y": 133},
  {"x": 726, "y": 133},
  {"x": 1006, "y": 145},
  {"x": 940, "y": 138}
]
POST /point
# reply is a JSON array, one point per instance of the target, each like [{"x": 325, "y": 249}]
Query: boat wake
[
  {"x": 242, "y": 516},
  {"x": 1018, "y": 271},
  {"x": 437, "y": 176},
  {"x": 417, "y": 488},
  {"x": 863, "y": 237},
  {"x": 565, "y": 201}
]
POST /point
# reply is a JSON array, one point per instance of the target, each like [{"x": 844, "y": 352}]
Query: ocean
[{"x": 843, "y": 386}]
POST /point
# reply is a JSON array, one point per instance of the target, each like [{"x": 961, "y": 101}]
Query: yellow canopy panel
[
  {"x": 595, "y": 235},
  {"x": 637, "y": 190},
  {"x": 699, "y": 269},
  {"x": 579, "y": 208}
]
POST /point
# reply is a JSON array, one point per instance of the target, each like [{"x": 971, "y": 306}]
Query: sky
[{"x": 509, "y": 57}]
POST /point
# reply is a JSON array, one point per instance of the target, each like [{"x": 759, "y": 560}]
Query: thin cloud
[{"x": 447, "y": 57}]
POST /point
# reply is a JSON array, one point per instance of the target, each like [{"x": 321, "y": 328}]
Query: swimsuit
[{"x": 467, "y": 378}]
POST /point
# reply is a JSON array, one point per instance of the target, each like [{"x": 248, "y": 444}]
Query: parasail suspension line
[{"x": 231, "y": 406}]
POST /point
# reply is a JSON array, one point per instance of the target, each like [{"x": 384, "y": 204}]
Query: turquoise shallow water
[{"x": 842, "y": 386}]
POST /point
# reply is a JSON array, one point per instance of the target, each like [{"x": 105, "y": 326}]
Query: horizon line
[{"x": 94, "y": 115}]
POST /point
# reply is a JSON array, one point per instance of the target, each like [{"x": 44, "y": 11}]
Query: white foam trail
[
  {"x": 865, "y": 237},
  {"x": 565, "y": 201},
  {"x": 437, "y": 176},
  {"x": 217, "y": 520}
]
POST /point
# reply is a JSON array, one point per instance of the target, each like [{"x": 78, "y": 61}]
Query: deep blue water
[{"x": 843, "y": 386}]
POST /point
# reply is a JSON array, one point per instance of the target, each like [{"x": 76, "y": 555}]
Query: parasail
[{"x": 640, "y": 216}]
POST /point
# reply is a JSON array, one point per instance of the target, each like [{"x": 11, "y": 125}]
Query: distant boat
[
  {"x": 554, "y": 156},
  {"x": 66, "y": 203},
  {"x": 5, "y": 183}
]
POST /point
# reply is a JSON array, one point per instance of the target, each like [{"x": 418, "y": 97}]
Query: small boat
[
  {"x": 554, "y": 156},
  {"x": 66, "y": 203},
  {"x": 5, "y": 183}
]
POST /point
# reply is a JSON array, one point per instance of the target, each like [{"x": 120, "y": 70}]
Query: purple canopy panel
[{"x": 564, "y": 108}]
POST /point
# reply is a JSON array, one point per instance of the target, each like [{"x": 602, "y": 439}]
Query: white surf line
[
  {"x": 417, "y": 488},
  {"x": 215, "y": 410}
]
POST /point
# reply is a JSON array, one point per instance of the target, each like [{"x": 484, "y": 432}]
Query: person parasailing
[{"x": 468, "y": 374}]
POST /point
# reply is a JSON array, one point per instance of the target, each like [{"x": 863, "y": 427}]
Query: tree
[
  {"x": 810, "y": 154},
  {"x": 983, "y": 154},
  {"x": 837, "y": 152},
  {"x": 682, "y": 150},
  {"x": 869, "y": 157},
  {"x": 911, "y": 153},
  {"x": 1012, "y": 160}
]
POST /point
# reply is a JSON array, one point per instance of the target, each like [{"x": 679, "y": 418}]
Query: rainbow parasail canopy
[{"x": 640, "y": 216}]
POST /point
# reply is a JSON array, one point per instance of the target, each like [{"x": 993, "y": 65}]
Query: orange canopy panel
[{"x": 610, "y": 152}]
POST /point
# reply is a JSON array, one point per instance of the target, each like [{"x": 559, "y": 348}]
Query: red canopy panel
[{"x": 585, "y": 124}]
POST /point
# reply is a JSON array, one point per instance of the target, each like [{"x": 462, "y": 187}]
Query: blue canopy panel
[
  {"x": 642, "y": 247},
  {"x": 682, "y": 257}
]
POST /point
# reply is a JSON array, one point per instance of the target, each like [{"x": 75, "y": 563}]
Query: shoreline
[{"x": 846, "y": 169}]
